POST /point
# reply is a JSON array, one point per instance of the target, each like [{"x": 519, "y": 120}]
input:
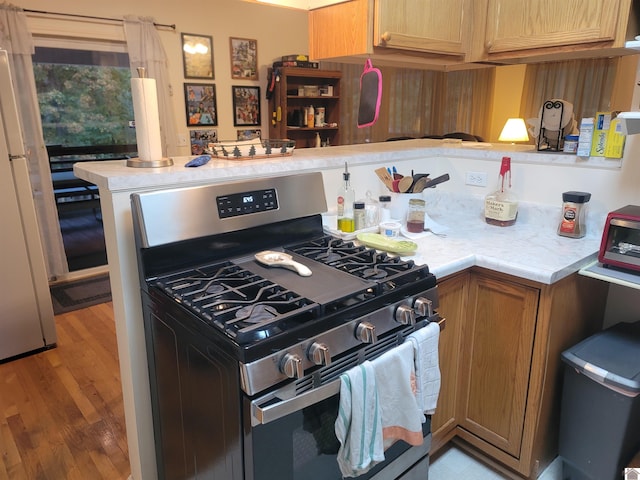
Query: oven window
[
  {"x": 300, "y": 446},
  {"x": 303, "y": 446}
]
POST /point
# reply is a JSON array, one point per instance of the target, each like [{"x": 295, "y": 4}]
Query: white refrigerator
[{"x": 26, "y": 311}]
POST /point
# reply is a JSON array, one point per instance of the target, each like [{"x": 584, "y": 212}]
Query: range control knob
[
  {"x": 405, "y": 315},
  {"x": 423, "y": 307},
  {"x": 366, "y": 332},
  {"x": 318, "y": 353},
  {"x": 291, "y": 366}
]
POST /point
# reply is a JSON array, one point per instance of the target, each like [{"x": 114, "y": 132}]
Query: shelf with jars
[{"x": 305, "y": 106}]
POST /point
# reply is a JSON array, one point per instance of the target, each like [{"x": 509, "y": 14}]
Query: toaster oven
[{"x": 620, "y": 246}]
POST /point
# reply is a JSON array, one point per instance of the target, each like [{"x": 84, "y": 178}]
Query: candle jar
[{"x": 415, "y": 215}]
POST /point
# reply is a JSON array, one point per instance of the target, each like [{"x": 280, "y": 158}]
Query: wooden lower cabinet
[
  {"x": 501, "y": 367},
  {"x": 452, "y": 299}
]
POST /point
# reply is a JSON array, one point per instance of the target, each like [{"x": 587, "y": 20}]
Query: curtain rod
[{"x": 172, "y": 26}]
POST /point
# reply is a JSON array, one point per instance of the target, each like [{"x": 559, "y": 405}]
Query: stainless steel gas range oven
[{"x": 244, "y": 356}]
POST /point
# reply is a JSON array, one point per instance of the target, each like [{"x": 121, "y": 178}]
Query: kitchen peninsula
[{"x": 528, "y": 262}]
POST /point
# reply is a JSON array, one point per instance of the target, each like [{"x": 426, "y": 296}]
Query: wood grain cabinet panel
[
  {"x": 465, "y": 33},
  {"x": 526, "y": 29},
  {"x": 421, "y": 25},
  {"x": 497, "y": 348},
  {"x": 407, "y": 32},
  {"x": 509, "y": 368},
  {"x": 452, "y": 297},
  {"x": 526, "y": 24}
]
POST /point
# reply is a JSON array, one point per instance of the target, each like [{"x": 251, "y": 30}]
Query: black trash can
[{"x": 600, "y": 413}]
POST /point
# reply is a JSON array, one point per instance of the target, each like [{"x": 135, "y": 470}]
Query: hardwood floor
[{"x": 61, "y": 410}]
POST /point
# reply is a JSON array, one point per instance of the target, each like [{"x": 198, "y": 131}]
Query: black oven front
[
  {"x": 289, "y": 432},
  {"x": 302, "y": 445}
]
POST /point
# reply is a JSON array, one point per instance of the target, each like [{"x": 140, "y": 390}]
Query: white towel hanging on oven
[
  {"x": 425, "y": 345},
  {"x": 358, "y": 424},
  {"x": 396, "y": 383}
]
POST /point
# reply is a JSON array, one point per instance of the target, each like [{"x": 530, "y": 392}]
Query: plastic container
[
  {"x": 571, "y": 144},
  {"x": 390, "y": 229},
  {"x": 574, "y": 214},
  {"x": 600, "y": 411}
]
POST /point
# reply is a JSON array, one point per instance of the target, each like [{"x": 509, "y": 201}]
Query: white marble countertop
[
  {"x": 115, "y": 175},
  {"x": 530, "y": 249}
]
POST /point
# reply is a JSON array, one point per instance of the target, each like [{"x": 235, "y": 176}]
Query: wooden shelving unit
[{"x": 286, "y": 106}]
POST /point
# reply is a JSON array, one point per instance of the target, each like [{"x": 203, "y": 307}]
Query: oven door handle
[{"x": 261, "y": 415}]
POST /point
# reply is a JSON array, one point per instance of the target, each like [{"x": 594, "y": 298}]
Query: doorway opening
[{"x": 87, "y": 115}]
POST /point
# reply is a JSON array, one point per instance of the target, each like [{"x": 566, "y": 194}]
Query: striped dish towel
[{"x": 358, "y": 425}]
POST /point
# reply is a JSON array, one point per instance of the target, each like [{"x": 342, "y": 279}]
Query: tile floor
[{"x": 454, "y": 464}]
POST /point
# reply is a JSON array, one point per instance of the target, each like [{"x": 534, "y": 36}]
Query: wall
[{"x": 278, "y": 31}]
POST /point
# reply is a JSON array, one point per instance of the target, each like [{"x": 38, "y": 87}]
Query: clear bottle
[
  {"x": 346, "y": 197},
  {"x": 359, "y": 216},
  {"x": 501, "y": 206},
  {"x": 372, "y": 211},
  {"x": 310, "y": 116},
  {"x": 385, "y": 212}
]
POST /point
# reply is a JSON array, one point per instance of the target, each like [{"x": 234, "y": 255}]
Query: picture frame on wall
[
  {"x": 246, "y": 105},
  {"x": 200, "y": 140},
  {"x": 244, "y": 58},
  {"x": 249, "y": 134},
  {"x": 200, "y": 102},
  {"x": 197, "y": 56}
]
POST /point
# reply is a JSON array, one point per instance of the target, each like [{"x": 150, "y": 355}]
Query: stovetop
[{"x": 250, "y": 302}]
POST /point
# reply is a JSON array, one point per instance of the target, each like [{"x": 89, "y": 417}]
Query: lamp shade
[{"x": 514, "y": 130}]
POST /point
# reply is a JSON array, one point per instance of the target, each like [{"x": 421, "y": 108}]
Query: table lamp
[{"x": 513, "y": 131}]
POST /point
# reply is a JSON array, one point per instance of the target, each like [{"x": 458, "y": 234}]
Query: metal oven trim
[{"x": 162, "y": 219}]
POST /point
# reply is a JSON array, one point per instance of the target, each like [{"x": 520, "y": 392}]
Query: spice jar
[
  {"x": 574, "y": 212},
  {"x": 415, "y": 215},
  {"x": 359, "y": 216},
  {"x": 385, "y": 211}
]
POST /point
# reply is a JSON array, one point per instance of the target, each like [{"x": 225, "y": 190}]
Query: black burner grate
[
  {"x": 246, "y": 306},
  {"x": 387, "y": 270}
]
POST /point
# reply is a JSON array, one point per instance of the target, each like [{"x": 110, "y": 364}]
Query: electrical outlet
[
  {"x": 477, "y": 179},
  {"x": 182, "y": 140}
]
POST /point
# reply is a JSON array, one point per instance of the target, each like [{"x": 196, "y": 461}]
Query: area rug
[{"x": 78, "y": 294}]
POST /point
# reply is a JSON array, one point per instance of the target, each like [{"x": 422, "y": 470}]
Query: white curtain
[
  {"x": 146, "y": 50},
  {"x": 416, "y": 103},
  {"x": 586, "y": 83},
  {"x": 16, "y": 39}
]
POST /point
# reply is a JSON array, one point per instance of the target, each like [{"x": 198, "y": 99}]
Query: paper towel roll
[{"x": 145, "y": 110}]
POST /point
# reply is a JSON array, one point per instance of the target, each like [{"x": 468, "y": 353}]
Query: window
[{"x": 85, "y": 100}]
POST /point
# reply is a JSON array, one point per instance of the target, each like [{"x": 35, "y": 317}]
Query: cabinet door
[
  {"x": 452, "y": 298},
  {"x": 497, "y": 343},
  {"x": 514, "y": 25},
  {"x": 421, "y": 25}
]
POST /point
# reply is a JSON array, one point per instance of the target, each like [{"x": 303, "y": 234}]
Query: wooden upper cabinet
[
  {"x": 420, "y": 25},
  {"x": 393, "y": 31},
  {"x": 521, "y": 28},
  {"x": 460, "y": 34}
]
